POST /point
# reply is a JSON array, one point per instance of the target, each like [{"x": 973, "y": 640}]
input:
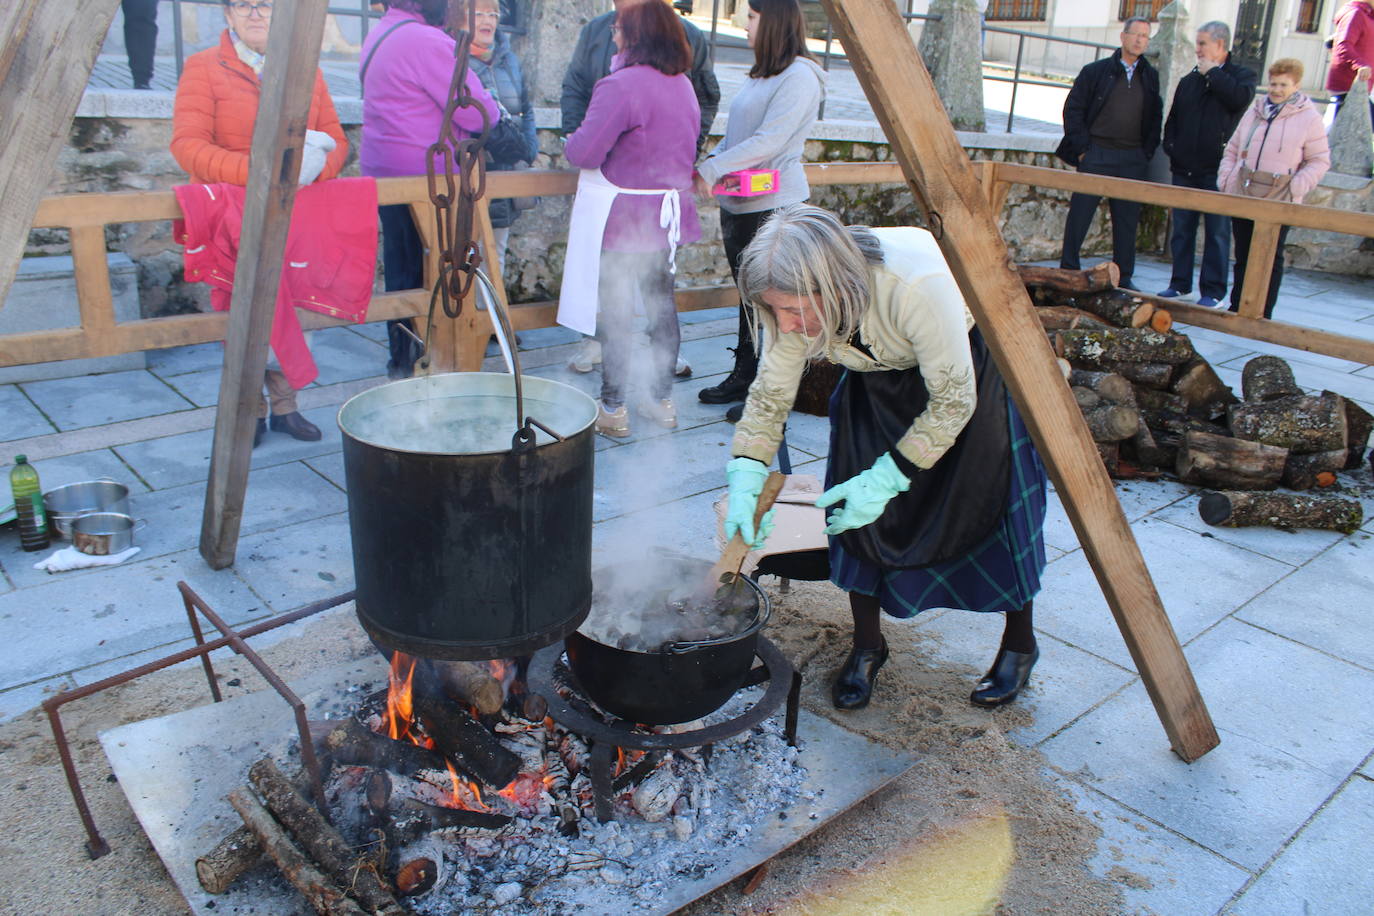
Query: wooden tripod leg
[
  {"x": 904, "y": 99},
  {"x": 293, "y": 53}
]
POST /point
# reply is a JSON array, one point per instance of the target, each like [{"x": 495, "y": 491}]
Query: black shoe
[
  {"x": 854, "y": 686},
  {"x": 735, "y": 385},
  {"x": 1009, "y": 673},
  {"x": 142, "y": 84},
  {"x": 259, "y": 432},
  {"x": 734, "y": 413},
  {"x": 296, "y": 426}
]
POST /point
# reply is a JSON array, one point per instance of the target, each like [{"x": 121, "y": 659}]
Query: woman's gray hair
[{"x": 803, "y": 250}]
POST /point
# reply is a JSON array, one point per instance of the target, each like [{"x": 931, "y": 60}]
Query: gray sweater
[{"x": 767, "y": 128}]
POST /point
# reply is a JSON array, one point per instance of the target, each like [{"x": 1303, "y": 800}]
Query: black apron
[{"x": 950, "y": 507}]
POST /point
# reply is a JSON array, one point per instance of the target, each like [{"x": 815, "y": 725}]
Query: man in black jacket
[
  {"x": 1208, "y": 105},
  {"x": 591, "y": 61},
  {"x": 1111, "y": 127}
]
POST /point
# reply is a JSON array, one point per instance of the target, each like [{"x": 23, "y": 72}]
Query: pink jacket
[
  {"x": 1294, "y": 144},
  {"x": 1354, "y": 44}
]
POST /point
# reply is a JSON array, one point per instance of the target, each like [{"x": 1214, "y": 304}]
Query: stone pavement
[{"x": 1275, "y": 820}]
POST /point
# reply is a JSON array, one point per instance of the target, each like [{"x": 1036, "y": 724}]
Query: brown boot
[{"x": 295, "y": 426}]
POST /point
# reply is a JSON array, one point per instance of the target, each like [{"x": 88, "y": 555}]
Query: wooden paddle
[{"x": 724, "y": 579}]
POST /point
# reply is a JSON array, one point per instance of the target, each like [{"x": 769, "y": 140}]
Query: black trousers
[
  {"x": 403, "y": 267},
  {"x": 140, "y": 37},
  {"x": 737, "y": 230},
  {"x": 1118, "y": 163},
  {"x": 1242, "y": 230}
]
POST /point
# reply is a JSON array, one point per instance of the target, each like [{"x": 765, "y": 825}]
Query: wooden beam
[
  {"x": 1267, "y": 329},
  {"x": 288, "y": 82},
  {"x": 1264, "y": 245},
  {"x": 903, "y": 97},
  {"x": 45, "y": 64}
]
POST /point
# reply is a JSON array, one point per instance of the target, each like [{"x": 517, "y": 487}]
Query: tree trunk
[
  {"x": 1267, "y": 378},
  {"x": 1299, "y": 423},
  {"x": 1281, "y": 510},
  {"x": 1314, "y": 469},
  {"x": 1067, "y": 318},
  {"x": 1220, "y": 461},
  {"x": 1099, "y": 277},
  {"x": 1111, "y": 386},
  {"x": 1206, "y": 395}
]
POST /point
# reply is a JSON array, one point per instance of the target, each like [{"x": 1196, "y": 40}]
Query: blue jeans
[{"x": 1216, "y": 241}]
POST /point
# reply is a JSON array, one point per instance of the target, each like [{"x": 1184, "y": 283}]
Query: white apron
[{"x": 578, "y": 296}]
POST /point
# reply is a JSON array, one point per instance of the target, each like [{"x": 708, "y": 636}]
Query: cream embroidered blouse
[{"x": 917, "y": 317}]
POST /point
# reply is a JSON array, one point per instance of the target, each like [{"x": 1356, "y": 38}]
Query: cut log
[
  {"x": 1162, "y": 321},
  {"x": 1206, "y": 394},
  {"x": 1359, "y": 424},
  {"x": 1313, "y": 469},
  {"x": 471, "y": 683},
  {"x": 458, "y": 737},
  {"x": 416, "y": 876},
  {"x": 1087, "y": 398},
  {"x": 1064, "y": 367},
  {"x": 321, "y": 840},
  {"x": 1300, "y": 423},
  {"x": 1150, "y": 375},
  {"x": 1149, "y": 399},
  {"x": 1095, "y": 279},
  {"x": 231, "y": 857},
  {"x": 1111, "y": 422},
  {"x": 353, "y": 744},
  {"x": 1111, "y": 457},
  {"x": 1118, "y": 307},
  {"x": 322, "y": 894},
  {"x": 1065, "y": 318},
  {"x": 1234, "y": 464},
  {"x": 1112, "y": 387},
  {"x": 1281, "y": 510},
  {"x": 1148, "y": 452},
  {"x": 1267, "y": 378},
  {"x": 404, "y": 820}
]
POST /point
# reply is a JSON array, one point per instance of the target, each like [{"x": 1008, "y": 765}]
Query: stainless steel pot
[
  {"x": 64, "y": 504},
  {"x": 101, "y": 534}
]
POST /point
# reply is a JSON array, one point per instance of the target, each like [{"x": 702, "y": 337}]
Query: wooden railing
[{"x": 86, "y": 215}]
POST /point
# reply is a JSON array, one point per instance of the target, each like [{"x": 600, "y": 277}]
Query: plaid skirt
[{"x": 1000, "y": 574}]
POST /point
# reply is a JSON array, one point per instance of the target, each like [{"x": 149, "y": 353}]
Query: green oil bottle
[{"x": 28, "y": 505}]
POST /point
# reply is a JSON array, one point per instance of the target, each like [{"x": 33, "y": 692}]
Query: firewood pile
[{"x": 1156, "y": 408}]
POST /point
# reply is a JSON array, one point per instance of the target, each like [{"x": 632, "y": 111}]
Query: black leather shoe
[
  {"x": 734, "y": 413},
  {"x": 734, "y": 386},
  {"x": 1009, "y": 673},
  {"x": 295, "y": 426},
  {"x": 259, "y": 432},
  {"x": 854, "y": 686}
]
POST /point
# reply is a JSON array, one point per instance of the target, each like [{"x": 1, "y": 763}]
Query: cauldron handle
[
  {"x": 760, "y": 621},
  {"x": 507, "y": 334}
]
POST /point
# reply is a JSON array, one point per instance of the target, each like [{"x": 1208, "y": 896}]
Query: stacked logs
[{"x": 1155, "y": 407}]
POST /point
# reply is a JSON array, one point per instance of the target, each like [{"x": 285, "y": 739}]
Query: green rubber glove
[
  {"x": 864, "y": 495},
  {"x": 745, "y": 477}
]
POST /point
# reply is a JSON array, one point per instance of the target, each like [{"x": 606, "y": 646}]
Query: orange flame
[{"x": 399, "y": 698}]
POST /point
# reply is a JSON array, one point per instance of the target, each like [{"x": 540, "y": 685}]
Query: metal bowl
[
  {"x": 101, "y": 534},
  {"x": 65, "y": 503}
]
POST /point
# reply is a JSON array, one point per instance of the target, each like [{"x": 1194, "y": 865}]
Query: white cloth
[
  {"x": 578, "y": 296},
  {"x": 71, "y": 558},
  {"x": 314, "y": 155}
]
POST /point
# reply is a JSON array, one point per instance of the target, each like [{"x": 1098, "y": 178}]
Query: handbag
[{"x": 1263, "y": 185}]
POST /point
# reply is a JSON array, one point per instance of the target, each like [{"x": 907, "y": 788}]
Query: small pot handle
[{"x": 760, "y": 621}]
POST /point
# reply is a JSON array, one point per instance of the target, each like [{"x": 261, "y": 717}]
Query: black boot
[
  {"x": 736, "y": 384},
  {"x": 853, "y": 687},
  {"x": 1010, "y": 672}
]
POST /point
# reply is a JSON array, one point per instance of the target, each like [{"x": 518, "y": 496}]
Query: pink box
[{"x": 747, "y": 183}]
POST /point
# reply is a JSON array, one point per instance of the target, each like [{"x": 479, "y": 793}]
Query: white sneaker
[
  {"x": 613, "y": 422},
  {"x": 663, "y": 412},
  {"x": 587, "y": 357},
  {"x": 682, "y": 370}
]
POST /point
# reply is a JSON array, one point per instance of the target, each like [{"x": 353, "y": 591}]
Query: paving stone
[
  {"x": 1334, "y": 314},
  {"x": 54, "y": 472},
  {"x": 1138, "y": 499},
  {"x": 297, "y": 564},
  {"x": 1324, "y": 603},
  {"x": 75, "y": 622},
  {"x": 708, "y": 356},
  {"x": 93, "y": 400},
  {"x": 200, "y": 387},
  {"x": 331, "y": 467},
  {"x": 1200, "y": 580},
  {"x": 19, "y": 700},
  {"x": 1285, "y": 745},
  {"x": 1314, "y": 874},
  {"x": 1292, "y": 547},
  {"x": 1257, "y": 347},
  {"x": 807, "y": 434},
  {"x": 373, "y": 330},
  {"x": 98, "y": 672},
  {"x": 21, "y": 418},
  {"x": 172, "y": 461},
  {"x": 180, "y": 360},
  {"x": 1155, "y": 871},
  {"x": 342, "y": 356},
  {"x": 1216, "y": 347},
  {"x": 655, "y": 471},
  {"x": 1066, "y": 682}
]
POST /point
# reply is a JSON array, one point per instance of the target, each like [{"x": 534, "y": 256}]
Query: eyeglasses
[
  {"x": 243, "y": 8},
  {"x": 487, "y": 14}
]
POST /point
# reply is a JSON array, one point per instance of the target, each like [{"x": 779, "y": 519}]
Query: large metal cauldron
[
  {"x": 681, "y": 682},
  {"x": 472, "y": 528}
]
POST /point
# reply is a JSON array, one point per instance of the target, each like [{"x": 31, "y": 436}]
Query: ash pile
[{"x": 1275, "y": 455}]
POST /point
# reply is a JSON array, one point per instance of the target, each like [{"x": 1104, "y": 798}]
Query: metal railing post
[
  {"x": 177, "y": 46},
  {"x": 715, "y": 21},
  {"x": 825, "y": 64},
  {"x": 1015, "y": 80}
]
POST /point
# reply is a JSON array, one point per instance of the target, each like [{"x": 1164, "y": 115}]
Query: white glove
[
  {"x": 71, "y": 558},
  {"x": 318, "y": 145}
]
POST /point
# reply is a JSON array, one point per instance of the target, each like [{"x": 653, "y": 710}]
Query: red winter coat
[
  {"x": 1354, "y": 44},
  {"x": 215, "y": 110}
]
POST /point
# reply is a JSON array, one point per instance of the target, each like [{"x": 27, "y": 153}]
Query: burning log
[
  {"x": 1314, "y": 469},
  {"x": 560, "y": 788},
  {"x": 1095, "y": 279},
  {"x": 405, "y": 820},
  {"x": 1221, "y": 461},
  {"x": 1300, "y": 423},
  {"x": 460, "y": 739},
  {"x": 418, "y": 876},
  {"x": 1202, "y": 390},
  {"x": 471, "y": 683},
  {"x": 1281, "y": 510},
  {"x": 1267, "y": 378},
  {"x": 318, "y": 890},
  {"x": 354, "y": 744},
  {"x": 1107, "y": 349},
  {"x": 1360, "y": 424},
  {"x": 321, "y": 840},
  {"x": 1067, "y": 318},
  {"x": 655, "y": 796}
]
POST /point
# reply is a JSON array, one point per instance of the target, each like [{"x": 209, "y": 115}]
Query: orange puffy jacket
[{"x": 216, "y": 107}]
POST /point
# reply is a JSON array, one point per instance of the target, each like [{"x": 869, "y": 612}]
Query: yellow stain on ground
[{"x": 959, "y": 871}]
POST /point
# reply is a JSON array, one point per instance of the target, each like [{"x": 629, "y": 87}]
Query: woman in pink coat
[{"x": 1280, "y": 136}]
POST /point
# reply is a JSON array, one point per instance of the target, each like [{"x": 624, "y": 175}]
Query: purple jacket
[
  {"x": 641, "y": 131},
  {"x": 404, "y": 95}
]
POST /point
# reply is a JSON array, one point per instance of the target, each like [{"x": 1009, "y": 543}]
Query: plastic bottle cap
[{"x": 20, "y": 459}]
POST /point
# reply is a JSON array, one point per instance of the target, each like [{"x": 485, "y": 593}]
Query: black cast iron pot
[{"x": 681, "y": 682}]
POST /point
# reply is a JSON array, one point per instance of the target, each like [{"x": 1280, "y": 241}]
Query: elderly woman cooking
[{"x": 942, "y": 492}]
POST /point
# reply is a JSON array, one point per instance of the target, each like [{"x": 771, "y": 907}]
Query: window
[
  {"x": 1016, "y": 10},
  {"x": 1145, "y": 9},
  {"x": 1309, "y": 16}
]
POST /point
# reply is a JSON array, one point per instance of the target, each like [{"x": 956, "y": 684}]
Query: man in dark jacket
[
  {"x": 1208, "y": 104},
  {"x": 591, "y": 61},
  {"x": 1111, "y": 127}
]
